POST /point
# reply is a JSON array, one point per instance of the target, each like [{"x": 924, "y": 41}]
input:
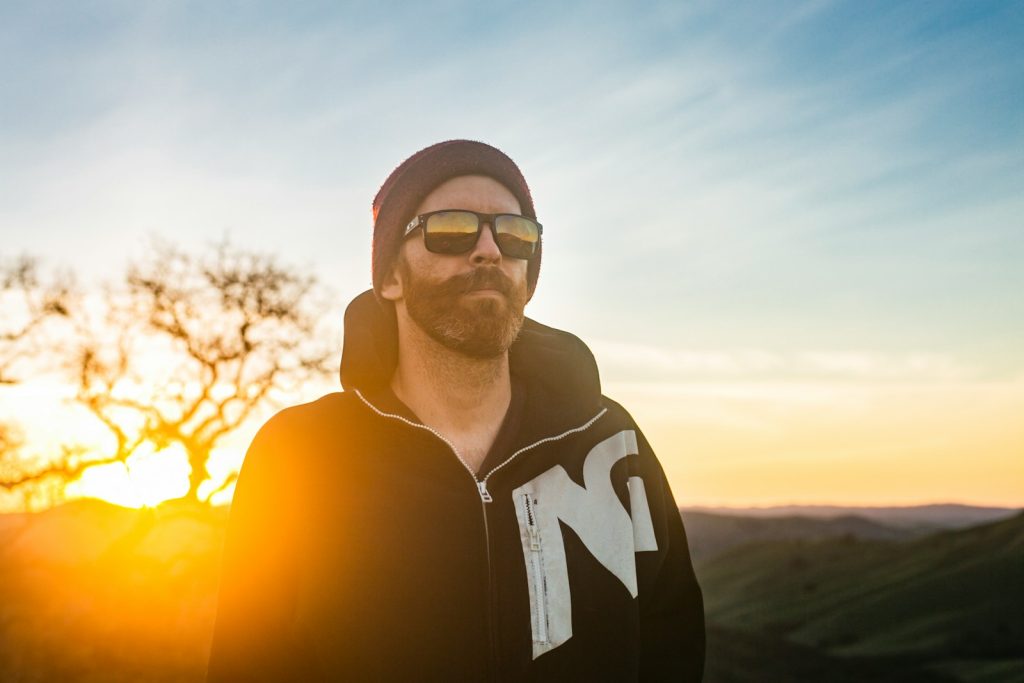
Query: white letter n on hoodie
[{"x": 597, "y": 516}]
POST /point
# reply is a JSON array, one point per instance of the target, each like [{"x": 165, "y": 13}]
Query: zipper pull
[
  {"x": 485, "y": 495},
  {"x": 531, "y": 524},
  {"x": 531, "y": 529}
]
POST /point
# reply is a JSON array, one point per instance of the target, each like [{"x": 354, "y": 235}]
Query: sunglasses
[{"x": 455, "y": 231}]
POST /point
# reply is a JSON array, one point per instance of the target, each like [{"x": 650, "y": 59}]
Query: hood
[{"x": 555, "y": 365}]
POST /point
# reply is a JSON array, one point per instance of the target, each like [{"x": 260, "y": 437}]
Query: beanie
[{"x": 416, "y": 177}]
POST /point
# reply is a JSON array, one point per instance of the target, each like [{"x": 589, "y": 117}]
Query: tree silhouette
[
  {"x": 26, "y": 304},
  {"x": 186, "y": 349}
]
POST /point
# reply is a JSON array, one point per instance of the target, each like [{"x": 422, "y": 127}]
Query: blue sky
[{"x": 730, "y": 191}]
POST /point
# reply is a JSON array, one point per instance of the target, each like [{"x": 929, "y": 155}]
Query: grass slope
[
  {"x": 735, "y": 656},
  {"x": 951, "y": 595}
]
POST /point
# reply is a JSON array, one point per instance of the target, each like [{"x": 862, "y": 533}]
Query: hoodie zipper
[
  {"x": 537, "y": 568},
  {"x": 485, "y": 498}
]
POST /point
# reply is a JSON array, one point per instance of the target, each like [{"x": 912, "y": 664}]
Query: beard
[{"x": 479, "y": 327}]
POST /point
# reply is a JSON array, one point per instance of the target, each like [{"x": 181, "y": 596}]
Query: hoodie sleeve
[
  {"x": 254, "y": 638},
  {"x": 670, "y": 600}
]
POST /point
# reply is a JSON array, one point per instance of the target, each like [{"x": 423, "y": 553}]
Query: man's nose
[{"x": 486, "y": 249}]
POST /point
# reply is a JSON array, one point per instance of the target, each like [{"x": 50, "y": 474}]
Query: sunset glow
[
  {"x": 148, "y": 478},
  {"x": 732, "y": 443}
]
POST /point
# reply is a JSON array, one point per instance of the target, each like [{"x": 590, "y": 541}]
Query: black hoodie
[{"x": 362, "y": 548}]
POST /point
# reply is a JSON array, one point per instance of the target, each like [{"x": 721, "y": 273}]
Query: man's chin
[
  {"x": 488, "y": 343},
  {"x": 484, "y": 328}
]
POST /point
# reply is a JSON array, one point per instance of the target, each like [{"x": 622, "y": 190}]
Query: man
[{"x": 470, "y": 508}]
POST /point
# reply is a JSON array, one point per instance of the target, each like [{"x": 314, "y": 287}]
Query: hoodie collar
[{"x": 563, "y": 387}]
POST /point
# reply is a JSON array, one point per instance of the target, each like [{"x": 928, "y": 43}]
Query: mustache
[{"x": 482, "y": 277}]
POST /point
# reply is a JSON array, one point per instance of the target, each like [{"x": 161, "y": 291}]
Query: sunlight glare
[{"x": 149, "y": 478}]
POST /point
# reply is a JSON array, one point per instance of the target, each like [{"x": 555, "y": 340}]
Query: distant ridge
[
  {"x": 921, "y": 517},
  {"x": 710, "y": 535}
]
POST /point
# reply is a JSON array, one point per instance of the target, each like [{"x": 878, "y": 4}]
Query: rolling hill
[
  {"x": 710, "y": 535},
  {"x": 950, "y": 601}
]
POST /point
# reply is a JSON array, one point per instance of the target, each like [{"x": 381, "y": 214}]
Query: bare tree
[
  {"x": 26, "y": 304},
  {"x": 188, "y": 348}
]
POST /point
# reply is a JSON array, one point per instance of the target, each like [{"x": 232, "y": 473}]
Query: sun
[{"x": 147, "y": 478}]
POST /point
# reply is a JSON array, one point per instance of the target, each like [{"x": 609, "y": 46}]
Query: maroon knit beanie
[{"x": 415, "y": 178}]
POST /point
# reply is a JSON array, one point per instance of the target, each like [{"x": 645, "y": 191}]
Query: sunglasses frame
[{"x": 489, "y": 219}]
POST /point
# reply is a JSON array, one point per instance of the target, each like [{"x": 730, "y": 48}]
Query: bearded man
[{"x": 470, "y": 508}]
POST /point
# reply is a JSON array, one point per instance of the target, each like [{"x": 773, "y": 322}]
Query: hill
[
  {"x": 94, "y": 592},
  {"x": 950, "y": 601},
  {"x": 711, "y": 535},
  {"x": 735, "y": 656}
]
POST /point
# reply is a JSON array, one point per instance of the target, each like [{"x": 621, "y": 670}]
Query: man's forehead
[{"x": 474, "y": 192}]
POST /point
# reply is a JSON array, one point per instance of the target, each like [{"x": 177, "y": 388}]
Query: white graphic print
[{"x": 595, "y": 513}]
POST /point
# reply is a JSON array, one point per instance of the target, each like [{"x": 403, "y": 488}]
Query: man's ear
[{"x": 391, "y": 287}]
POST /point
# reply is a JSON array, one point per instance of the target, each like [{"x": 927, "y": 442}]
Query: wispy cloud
[{"x": 625, "y": 361}]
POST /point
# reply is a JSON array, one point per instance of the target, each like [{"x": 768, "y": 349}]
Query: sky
[{"x": 791, "y": 232}]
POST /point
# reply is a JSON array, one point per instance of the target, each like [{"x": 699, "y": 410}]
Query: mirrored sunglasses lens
[
  {"x": 450, "y": 232},
  {"x": 517, "y": 236}
]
